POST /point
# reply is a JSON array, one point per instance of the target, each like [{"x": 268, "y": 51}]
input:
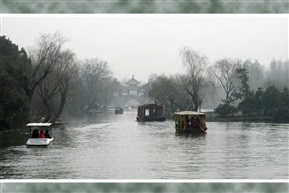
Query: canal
[{"x": 110, "y": 146}]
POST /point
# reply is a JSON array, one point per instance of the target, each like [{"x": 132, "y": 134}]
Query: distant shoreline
[{"x": 212, "y": 117}]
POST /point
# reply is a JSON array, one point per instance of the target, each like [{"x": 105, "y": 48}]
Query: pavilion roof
[{"x": 133, "y": 81}]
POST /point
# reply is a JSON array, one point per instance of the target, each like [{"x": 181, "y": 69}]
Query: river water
[{"x": 110, "y": 146}]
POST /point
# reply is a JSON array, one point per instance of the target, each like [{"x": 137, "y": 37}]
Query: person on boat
[
  {"x": 187, "y": 122},
  {"x": 41, "y": 135},
  {"x": 47, "y": 135},
  {"x": 35, "y": 133},
  {"x": 193, "y": 122},
  {"x": 184, "y": 122},
  {"x": 180, "y": 122}
]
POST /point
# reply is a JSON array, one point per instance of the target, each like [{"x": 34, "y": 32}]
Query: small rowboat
[{"x": 35, "y": 139}]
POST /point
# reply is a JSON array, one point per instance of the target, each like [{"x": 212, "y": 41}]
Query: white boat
[{"x": 35, "y": 139}]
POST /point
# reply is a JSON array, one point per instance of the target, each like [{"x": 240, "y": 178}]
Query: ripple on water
[{"x": 118, "y": 147}]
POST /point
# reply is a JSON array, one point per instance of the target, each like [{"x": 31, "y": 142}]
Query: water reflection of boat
[
  {"x": 118, "y": 110},
  {"x": 150, "y": 112},
  {"x": 35, "y": 139},
  {"x": 190, "y": 122}
]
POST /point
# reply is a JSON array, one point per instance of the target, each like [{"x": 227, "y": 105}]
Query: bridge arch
[
  {"x": 121, "y": 101},
  {"x": 132, "y": 103}
]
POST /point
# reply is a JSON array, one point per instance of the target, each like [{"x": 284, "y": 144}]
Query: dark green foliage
[
  {"x": 247, "y": 106},
  {"x": 225, "y": 110},
  {"x": 283, "y": 111},
  {"x": 14, "y": 107},
  {"x": 276, "y": 103},
  {"x": 14, "y": 103},
  {"x": 271, "y": 100},
  {"x": 252, "y": 105},
  {"x": 258, "y": 105},
  {"x": 244, "y": 91},
  {"x": 15, "y": 61}
]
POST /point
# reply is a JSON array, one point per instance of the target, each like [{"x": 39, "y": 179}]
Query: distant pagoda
[{"x": 133, "y": 88}]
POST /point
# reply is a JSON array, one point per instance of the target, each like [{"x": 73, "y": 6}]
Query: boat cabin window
[
  {"x": 35, "y": 132},
  {"x": 147, "y": 112}
]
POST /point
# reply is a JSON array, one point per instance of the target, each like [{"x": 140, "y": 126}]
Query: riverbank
[{"x": 213, "y": 117}]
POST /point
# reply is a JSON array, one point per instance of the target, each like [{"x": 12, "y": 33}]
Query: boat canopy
[
  {"x": 39, "y": 124},
  {"x": 193, "y": 113},
  {"x": 151, "y": 105}
]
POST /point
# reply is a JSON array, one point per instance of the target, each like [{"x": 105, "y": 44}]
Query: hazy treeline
[
  {"x": 41, "y": 83},
  {"x": 229, "y": 86}
]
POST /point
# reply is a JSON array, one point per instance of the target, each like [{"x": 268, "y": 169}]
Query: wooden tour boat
[
  {"x": 190, "y": 122},
  {"x": 42, "y": 139},
  {"x": 150, "y": 112}
]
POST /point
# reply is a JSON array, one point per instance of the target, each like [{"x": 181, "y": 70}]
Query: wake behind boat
[{"x": 39, "y": 134}]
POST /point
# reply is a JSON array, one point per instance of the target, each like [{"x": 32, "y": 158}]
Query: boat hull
[
  {"x": 190, "y": 130},
  {"x": 39, "y": 141},
  {"x": 150, "y": 119}
]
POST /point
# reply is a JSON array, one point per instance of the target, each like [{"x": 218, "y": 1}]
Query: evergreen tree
[{"x": 14, "y": 68}]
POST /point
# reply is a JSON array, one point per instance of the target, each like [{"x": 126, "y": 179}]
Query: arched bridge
[{"x": 121, "y": 101}]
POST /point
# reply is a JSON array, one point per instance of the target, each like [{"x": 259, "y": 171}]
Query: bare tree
[
  {"x": 168, "y": 91},
  {"x": 225, "y": 73},
  {"x": 67, "y": 74},
  {"x": 44, "y": 57},
  {"x": 58, "y": 87},
  {"x": 94, "y": 74},
  {"x": 104, "y": 95},
  {"x": 196, "y": 84}
]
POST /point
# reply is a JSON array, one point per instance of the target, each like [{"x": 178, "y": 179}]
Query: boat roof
[
  {"x": 39, "y": 124},
  {"x": 150, "y": 105},
  {"x": 189, "y": 113}
]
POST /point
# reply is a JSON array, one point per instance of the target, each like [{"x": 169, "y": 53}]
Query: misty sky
[{"x": 140, "y": 45}]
